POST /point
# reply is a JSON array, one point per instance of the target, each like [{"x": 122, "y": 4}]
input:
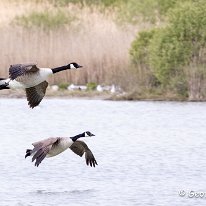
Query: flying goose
[
  {"x": 55, "y": 145},
  {"x": 32, "y": 79}
]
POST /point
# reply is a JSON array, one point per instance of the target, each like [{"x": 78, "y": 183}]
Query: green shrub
[
  {"x": 105, "y": 3},
  {"x": 63, "y": 85},
  {"x": 173, "y": 54},
  {"x": 46, "y": 19},
  {"x": 167, "y": 54},
  {"x": 149, "y": 10},
  {"x": 139, "y": 53},
  {"x": 91, "y": 86},
  {"x": 176, "y": 45},
  {"x": 129, "y": 10},
  {"x": 139, "y": 47}
]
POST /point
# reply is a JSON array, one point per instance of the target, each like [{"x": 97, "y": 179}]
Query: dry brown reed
[{"x": 94, "y": 40}]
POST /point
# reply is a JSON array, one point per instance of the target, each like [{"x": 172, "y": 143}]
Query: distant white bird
[
  {"x": 54, "y": 88},
  {"x": 76, "y": 87},
  {"x": 71, "y": 87},
  {"x": 55, "y": 145},
  {"x": 32, "y": 79},
  {"x": 99, "y": 88},
  {"x": 113, "y": 89}
]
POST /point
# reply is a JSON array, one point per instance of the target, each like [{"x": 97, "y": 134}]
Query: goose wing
[
  {"x": 42, "y": 148},
  {"x": 36, "y": 94},
  {"x": 79, "y": 148},
  {"x": 17, "y": 70}
]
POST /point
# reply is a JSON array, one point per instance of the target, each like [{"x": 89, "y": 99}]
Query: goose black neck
[
  {"x": 58, "y": 69},
  {"x": 77, "y": 137}
]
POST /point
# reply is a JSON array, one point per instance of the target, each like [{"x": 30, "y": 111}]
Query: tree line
[{"x": 171, "y": 58}]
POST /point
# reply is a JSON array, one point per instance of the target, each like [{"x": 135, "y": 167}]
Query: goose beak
[
  {"x": 92, "y": 135},
  {"x": 79, "y": 66}
]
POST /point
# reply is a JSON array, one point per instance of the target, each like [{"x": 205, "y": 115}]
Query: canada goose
[
  {"x": 55, "y": 145},
  {"x": 32, "y": 79}
]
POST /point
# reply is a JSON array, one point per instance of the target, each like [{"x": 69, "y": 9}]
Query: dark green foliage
[
  {"x": 139, "y": 53},
  {"x": 173, "y": 54},
  {"x": 189, "y": 22},
  {"x": 139, "y": 49},
  {"x": 167, "y": 54},
  {"x": 173, "y": 47}
]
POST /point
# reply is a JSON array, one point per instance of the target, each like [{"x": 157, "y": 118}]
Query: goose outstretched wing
[
  {"x": 17, "y": 70},
  {"x": 79, "y": 148},
  {"x": 42, "y": 148},
  {"x": 36, "y": 94}
]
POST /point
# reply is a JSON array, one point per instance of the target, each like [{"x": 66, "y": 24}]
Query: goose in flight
[
  {"x": 32, "y": 79},
  {"x": 55, "y": 145}
]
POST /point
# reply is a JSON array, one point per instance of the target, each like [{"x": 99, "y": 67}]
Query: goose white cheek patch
[{"x": 72, "y": 66}]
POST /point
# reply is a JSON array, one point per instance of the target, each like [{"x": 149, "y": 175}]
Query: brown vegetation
[{"x": 93, "y": 40}]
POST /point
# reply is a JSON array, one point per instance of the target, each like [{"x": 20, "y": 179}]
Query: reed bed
[{"x": 93, "y": 40}]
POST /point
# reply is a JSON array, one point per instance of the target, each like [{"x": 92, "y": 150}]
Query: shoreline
[
  {"x": 18, "y": 94},
  {"x": 94, "y": 95}
]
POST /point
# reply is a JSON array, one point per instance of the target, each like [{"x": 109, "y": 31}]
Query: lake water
[{"x": 146, "y": 152}]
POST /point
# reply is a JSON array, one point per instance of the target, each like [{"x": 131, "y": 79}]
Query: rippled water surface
[{"x": 146, "y": 152}]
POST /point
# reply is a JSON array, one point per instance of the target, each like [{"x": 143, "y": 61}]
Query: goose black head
[
  {"x": 84, "y": 134},
  {"x": 74, "y": 65},
  {"x": 88, "y": 134}
]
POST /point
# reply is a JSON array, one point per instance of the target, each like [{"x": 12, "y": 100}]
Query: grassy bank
[{"x": 60, "y": 94}]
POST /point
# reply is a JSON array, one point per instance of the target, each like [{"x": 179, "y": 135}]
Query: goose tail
[
  {"x": 28, "y": 153},
  {"x": 3, "y": 84}
]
